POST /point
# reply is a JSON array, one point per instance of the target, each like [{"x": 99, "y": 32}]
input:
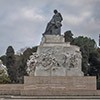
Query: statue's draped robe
[{"x": 54, "y": 26}]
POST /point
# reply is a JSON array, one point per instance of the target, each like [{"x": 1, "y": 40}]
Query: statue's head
[{"x": 55, "y": 11}]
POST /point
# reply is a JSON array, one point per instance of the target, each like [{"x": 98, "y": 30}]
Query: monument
[
  {"x": 55, "y": 70},
  {"x": 54, "y": 56},
  {"x": 56, "y": 66}
]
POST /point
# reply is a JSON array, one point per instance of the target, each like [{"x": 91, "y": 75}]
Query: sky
[{"x": 22, "y": 22}]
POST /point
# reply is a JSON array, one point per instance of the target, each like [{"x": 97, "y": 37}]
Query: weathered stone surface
[
  {"x": 11, "y": 86},
  {"x": 53, "y": 39},
  {"x": 61, "y": 82},
  {"x": 54, "y": 57},
  {"x": 52, "y": 86},
  {"x": 60, "y": 93}
]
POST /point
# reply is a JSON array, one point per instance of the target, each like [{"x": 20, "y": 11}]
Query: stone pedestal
[
  {"x": 52, "y": 39},
  {"x": 55, "y": 57}
]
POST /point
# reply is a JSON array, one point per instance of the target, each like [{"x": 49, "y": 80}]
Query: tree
[
  {"x": 17, "y": 64},
  {"x": 22, "y": 64},
  {"x": 68, "y": 36},
  {"x": 94, "y": 61},
  {"x": 10, "y": 64}
]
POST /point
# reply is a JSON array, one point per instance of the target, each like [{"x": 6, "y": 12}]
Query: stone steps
[
  {"x": 60, "y": 92},
  {"x": 49, "y": 92}
]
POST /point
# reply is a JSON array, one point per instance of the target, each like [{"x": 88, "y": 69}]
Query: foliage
[
  {"x": 10, "y": 51},
  {"x": 3, "y": 58},
  {"x": 87, "y": 46},
  {"x": 11, "y": 64},
  {"x": 68, "y": 36},
  {"x": 4, "y": 79},
  {"x": 22, "y": 63},
  {"x": 16, "y": 64}
]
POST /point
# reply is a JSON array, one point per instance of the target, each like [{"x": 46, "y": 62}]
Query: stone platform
[
  {"x": 51, "y": 88},
  {"x": 60, "y": 83}
]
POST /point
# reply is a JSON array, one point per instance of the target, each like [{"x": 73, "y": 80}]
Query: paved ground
[{"x": 5, "y": 97}]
